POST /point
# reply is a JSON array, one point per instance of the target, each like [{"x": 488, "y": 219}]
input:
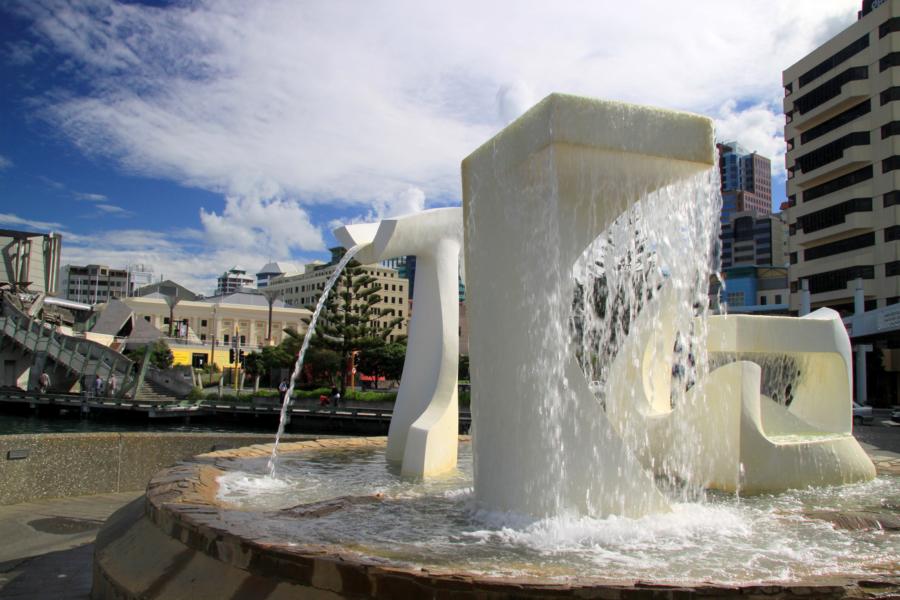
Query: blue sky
[{"x": 192, "y": 136}]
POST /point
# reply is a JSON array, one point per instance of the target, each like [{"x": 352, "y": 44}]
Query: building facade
[
  {"x": 842, "y": 112},
  {"x": 95, "y": 284},
  {"x": 753, "y": 290},
  {"x": 746, "y": 180},
  {"x": 304, "y": 289},
  {"x": 233, "y": 280},
  {"x": 270, "y": 271},
  {"x": 753, "y": 239},
  {"x": 31, "y": 260},
  {"x": 222, "y": 318}
]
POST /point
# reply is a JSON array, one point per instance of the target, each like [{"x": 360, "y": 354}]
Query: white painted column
[{"x": 804, "y": 298}]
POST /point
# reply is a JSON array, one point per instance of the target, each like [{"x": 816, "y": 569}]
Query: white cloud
[
  {"x": 16, "y": 221},
  {"x": 274, "y": 227},
  {"x": 112, "y": 209},
  {"x": 758, "y": 128},
  {"x": 5, "y": 163},
  {"x": 333, "y": 102},
  {"x": 90, "y": 197}
]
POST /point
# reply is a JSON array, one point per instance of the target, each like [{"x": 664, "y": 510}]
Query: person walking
[
  {"x": 98, "y": 386},
  {"x": 113, "y": 385},
  {"x": 44, "y": 382}
]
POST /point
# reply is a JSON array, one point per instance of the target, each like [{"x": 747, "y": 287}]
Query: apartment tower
[{"x": 842, "y": 113}]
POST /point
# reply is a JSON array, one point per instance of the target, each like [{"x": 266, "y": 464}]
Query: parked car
[
  {"x": 861, "y": 414},
  {"x": 895, "y": 415}
]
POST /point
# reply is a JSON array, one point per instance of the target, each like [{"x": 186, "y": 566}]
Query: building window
[
  {"x": 889, "y": 129},
  {"x": 846, "y": 245},
  {"x": 203, "y": 323},
  {"x": 889, "y": 95},
  {"x": 202, "y": 337},
  {"x": 889, "y": 60},
  {"x": 763, "y": 300},
  {"x": 832, "y": 151},
  {"x": 735, "y": 298},
  {"x": 889, "y": 26},
  {"x": 891, "y": 163},
  {"x": 830, "y": 281},
  {"x": 892, "y": 233},
  {"x": 793, "y": 258},
  {"x": 892, "y": 269},
  {"x": 225, "y": 338},
  {"x": 147, "y": 318},
  {"x": 838, "y": 183},
  {"x": 777, "y": 298},
  {"x": 830, "y": 89},
  {"x": 833, "y": 215},
  {"x": 890, "y": 199},
  {"x": 834, "y": 60}
]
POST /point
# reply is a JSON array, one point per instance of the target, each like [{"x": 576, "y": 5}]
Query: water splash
[
  {"x": 641, "y": 298},
  {"x": 273, "y": 459}
]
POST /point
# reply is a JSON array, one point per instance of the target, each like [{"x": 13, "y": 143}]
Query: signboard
[{"x": 889, "y": 318}]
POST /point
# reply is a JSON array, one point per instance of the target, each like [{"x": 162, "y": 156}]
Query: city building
[
  {"x": 198, "y": 323},
  {"x": 30, "y": 260},
  {"x": 746, "y": 180},
  {"x": 750, "y": 238},
  {"x": 167, "y": 288},
  {"x": 233, "y": 280},
  {"x": 94, "y": 284},
  {"x": 753, "y": 289},
  {"x": 303, "y": 289},
  {"x": 843, "y": 162},
  {"x": 271, "y": 270}
]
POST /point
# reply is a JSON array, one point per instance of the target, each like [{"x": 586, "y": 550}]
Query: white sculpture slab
[
  {"x": 425, "y": 424},
  {"x": 726, "y": 434},
  {"x": 534, "y": 197}
]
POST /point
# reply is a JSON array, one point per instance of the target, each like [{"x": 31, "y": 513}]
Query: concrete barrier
[{"x": 58, "y": 465}]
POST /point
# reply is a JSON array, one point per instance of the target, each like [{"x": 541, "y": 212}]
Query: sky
[{"x": 193, "y": 136}]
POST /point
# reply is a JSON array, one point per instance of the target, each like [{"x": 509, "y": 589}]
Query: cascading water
[
  {"x": 285, "y": 403},
  {"x": 647, "y": 278}
]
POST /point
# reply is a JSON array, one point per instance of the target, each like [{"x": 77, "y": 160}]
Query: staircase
[
  {"x": 151, "y": 392},
  {"x": 79, "y": 356}
]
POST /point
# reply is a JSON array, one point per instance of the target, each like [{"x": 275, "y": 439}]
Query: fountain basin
[{"x": 184, "y": 540}]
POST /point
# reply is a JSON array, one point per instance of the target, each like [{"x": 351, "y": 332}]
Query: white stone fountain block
[
  {"x": 726, "y": 434},
  {"x": 425, "y": 424},
  {"x": 534, "y": 197}
]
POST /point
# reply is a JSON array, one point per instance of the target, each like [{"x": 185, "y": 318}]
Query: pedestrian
[
  {"x": 44, "y": 382},
  {"x": 283, "y": 386},
  {"x": 335, "y": 396},
  {"x": 98, "y": 386},
  {"x": 113, "y": 385}
]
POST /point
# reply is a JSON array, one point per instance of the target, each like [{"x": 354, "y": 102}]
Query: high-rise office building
[
  {"x": 753, "y": 239},
  {"x": 843, "y": 159},
  {"x": 746, "y": 180}
]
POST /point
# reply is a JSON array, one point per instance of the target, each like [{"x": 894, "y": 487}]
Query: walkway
[{"x": 47, "y": 548}]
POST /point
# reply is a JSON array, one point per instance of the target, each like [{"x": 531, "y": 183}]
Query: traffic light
[
  {"x": 356, "y": 359},
  {"x": 241, "y": 356},
  {"x": 231, "y": 355}
]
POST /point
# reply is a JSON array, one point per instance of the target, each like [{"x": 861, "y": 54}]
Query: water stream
[{"x": 286, "y": 401}]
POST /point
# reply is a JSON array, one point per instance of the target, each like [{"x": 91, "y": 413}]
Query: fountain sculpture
[
  {"x": 588, "y": 463},
  {"x": 423, "y": 432}
]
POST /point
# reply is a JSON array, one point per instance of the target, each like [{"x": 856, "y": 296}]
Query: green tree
[
  {"x": 386, "y": 361},
  {"x": 320, "y": 365},
  {"x": 255, "y": 367},
  {"x": 161, "y": 355},
  {"x": 350, "y": 320}
]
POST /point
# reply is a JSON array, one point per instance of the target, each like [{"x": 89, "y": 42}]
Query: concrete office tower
[
  {"x": 233, "y": 280},
  {"x": 94, "y": 284},
  {"x": 753, "y": 239},
  {"x": 843, "y": 158},
  {"x": 746, "y": 180}
]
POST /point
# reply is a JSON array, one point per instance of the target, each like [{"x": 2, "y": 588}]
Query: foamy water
[{"x": 437, "y": 524}]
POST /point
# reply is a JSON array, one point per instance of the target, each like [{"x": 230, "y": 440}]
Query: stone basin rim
[{"x": 182, "y": 501}]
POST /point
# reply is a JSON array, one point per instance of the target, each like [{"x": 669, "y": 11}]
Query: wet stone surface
[{"x": 64, "y": 525}]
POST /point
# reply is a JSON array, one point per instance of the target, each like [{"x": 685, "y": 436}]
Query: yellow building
[{"x": 202, "y": 325}]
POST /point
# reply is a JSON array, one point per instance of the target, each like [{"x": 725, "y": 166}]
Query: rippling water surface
[{"x": 436, "y": 524}]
